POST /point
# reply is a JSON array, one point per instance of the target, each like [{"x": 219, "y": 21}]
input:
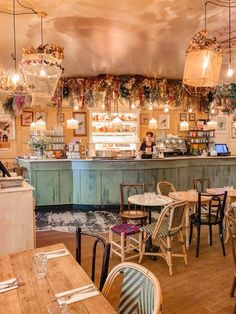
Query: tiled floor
[{"x": 93, "y": 221}]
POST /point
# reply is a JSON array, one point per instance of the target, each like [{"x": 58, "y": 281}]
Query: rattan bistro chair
[
  {"x": 231, "y": 225},
  {"x": 165, "y": 188},
  {"x": 170, "y": 222},
  {"x": 140, "y": 291},
  {"x": 105, "y": 257},
  {"x": 131, "y": 211}
]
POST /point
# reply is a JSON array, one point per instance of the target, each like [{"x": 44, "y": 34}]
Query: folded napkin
[
  {"x": 57, "y": 253},
  {"x": 77, "y": 294},
  {"x": 8, "y": 285}
]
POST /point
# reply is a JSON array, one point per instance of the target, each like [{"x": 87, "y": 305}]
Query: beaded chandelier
[{"x": 42, "y": 68}]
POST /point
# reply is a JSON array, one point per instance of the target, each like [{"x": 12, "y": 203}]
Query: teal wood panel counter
[{"x": 96, "y": 182}]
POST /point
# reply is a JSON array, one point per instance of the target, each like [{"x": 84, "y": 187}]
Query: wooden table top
[
  {"x": 188, "y": 196},
  {"x": 63, "y": 273},
  {"x": 231, "y": 192}
]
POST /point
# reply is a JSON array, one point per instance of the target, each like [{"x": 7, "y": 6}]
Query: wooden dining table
[
  {"x": 191, "y": 197},
  {"x": 63, "y": 273}
]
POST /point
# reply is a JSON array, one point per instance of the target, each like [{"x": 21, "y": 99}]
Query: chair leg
[
  {"x": 198, "y": 239},
  {"x": 233, "y": 286},
  {"x": 169, "y": 255},
  {"x": 180, "y": 234},
  {"x": 142, "y": 247},
  {"x": 210, "y": 234},
  {"x": 191, "y": 233},
  {"x": 222, "y": 237},
  {"x": 122, "y": 244},
  {"x": 110, "y": 241}
]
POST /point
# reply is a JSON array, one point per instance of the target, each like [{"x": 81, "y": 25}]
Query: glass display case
[{"x": 111, "y": 137}]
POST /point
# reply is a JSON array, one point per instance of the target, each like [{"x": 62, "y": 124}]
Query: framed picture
[
  {"x": 201, "y": 124},
  {"x": 60, "y": 117},
  {"x": 40, "y": 115},
  {"x": 7, "y": 124},
  {"x": 191, "y": 117},
  {"x": 26, "y": 118},
  {"x": 183, "y": 117},
  {"x": 233, "y": 130},
  {"x": 82, "y": 119},
  {"x": 163, "y": 121},
  {"x": 143, "y": 119},
  {"x": 221, "y": 123}
]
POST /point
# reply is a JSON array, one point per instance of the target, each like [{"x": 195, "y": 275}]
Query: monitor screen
[{"x": 221, "y": 148}]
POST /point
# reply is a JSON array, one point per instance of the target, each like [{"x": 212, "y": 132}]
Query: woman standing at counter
[{"x": 147, "y": 146}]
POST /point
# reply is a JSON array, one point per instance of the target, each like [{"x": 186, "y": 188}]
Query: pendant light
[
  {"x": 72, "y": 124},
  {"x": 184, "y": 126},
  {"x": 152, "y": 124}
]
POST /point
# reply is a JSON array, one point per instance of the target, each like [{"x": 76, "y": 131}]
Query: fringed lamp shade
[
  {"x": 152, "y": 124},
  {"x": 203, "y": 63},
  {"x": 42, "y": 68}
]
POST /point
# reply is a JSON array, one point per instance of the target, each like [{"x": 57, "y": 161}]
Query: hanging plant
[{"x": 8, "y": 106}]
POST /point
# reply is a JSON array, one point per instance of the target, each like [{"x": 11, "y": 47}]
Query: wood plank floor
[{"x": 202, "y": 287}]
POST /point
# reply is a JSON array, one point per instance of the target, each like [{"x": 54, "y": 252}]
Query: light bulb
[
  {"x": 15, "y": 78},
  {"x": 76, "y": 107},
  {"x": 212, "y": 111},
  {"x": 230, "y": 72},
  {"x": 190, "y": 110},
  {"x": 166, "y": 108},
  {"x": 42, "y": 73},
  {"x": 150, "y": 108},
  {"x": 133, "y": 106},
  {"x": 206, "y": 61}
]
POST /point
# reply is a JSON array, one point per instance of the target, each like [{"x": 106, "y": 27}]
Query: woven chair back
[
  {"x": 140, "y": 291},
  {"x": 165, "y": 187}
]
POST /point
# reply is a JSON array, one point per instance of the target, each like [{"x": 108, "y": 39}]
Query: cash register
[{"x": 222, "y": 150}]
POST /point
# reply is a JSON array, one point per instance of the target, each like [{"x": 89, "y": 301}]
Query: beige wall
[{"x": 20, "y": 147}]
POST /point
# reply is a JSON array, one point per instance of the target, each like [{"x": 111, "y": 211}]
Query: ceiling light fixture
[{"x": 42, "y": 66}]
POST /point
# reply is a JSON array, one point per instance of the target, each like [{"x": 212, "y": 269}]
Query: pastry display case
[{"x": 113, "y": 135}]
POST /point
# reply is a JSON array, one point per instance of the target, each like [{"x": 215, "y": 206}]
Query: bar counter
[{"x": 96, "y": 182}]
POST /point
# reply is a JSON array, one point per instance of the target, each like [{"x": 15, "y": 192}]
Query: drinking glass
[
  {"x": 55, "y": 308},
  {"x": 40, "y": 264}
]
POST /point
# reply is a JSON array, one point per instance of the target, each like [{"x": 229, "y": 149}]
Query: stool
[{"x": 127, "y": 242}]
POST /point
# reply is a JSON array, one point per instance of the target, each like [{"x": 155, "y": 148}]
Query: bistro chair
[
  {"x": 140, "y": 291},
  {"x": 209, "y": 216},
  {"x": 105, "y": 258},
  {"x": 165, "y": 188},
  {"x": 131, "y": 211},
  {"x": 125, "y": 241},
  {"x": 201, "y": 184},
  {"x": 231, "y": 224},
  {"x": 170, "y": 223}
]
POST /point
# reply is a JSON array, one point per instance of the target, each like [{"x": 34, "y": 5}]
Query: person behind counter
[{"x": 147, "y": 146}]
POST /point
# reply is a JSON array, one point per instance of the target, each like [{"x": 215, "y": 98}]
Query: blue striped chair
[
  {"x": 170, "y": 223},
  {"x": 140, "y": 291}
]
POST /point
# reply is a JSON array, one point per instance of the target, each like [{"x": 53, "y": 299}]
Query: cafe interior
[{"x": 118, "y": 156}]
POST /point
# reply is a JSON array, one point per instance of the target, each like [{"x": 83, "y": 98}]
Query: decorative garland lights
[{"x": 135, "y": 92}]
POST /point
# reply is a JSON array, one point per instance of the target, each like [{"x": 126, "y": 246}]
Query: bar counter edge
[{"x": 96, "y": 182}]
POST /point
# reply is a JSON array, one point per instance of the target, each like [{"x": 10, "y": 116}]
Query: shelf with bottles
[{"x": 201, "y": 133}]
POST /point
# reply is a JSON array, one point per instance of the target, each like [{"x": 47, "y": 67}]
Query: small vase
[{"x": 41, "y": 154}]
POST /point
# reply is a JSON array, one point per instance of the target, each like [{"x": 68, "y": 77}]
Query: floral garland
[{"x": 104, "y": 90}]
